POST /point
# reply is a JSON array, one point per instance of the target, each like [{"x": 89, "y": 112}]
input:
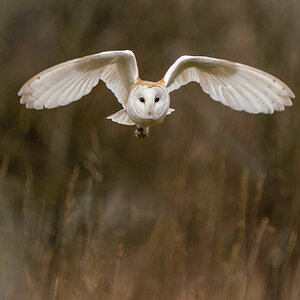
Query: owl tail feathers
[{"x": 121, "y": 117}]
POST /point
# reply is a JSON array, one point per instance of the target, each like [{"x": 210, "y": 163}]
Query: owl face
[{"x": 148, "y": 104}]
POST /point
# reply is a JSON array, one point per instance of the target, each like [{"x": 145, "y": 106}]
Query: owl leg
[{"x": 141, "y": 132}]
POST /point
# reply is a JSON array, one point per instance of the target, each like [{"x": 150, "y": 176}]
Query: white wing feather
[
  {"x": 236, "y": 85},
  {"x": 121, "y": 117},
  {"x": 71, "y": 80}
]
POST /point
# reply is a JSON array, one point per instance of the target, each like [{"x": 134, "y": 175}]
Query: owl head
[{"x": 148, "y": 102}]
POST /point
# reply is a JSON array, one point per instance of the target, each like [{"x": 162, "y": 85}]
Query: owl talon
[{"x": 141, "y": 132}]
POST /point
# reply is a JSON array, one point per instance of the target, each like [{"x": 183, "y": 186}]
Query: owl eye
[
  {"x": 142, "y": 99},
  {"x": 156, "y": 99}
]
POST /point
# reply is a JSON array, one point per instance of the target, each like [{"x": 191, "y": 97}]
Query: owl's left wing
[
  {"x": 238, "y": 86},
  {"x": 71, "y": 80}
]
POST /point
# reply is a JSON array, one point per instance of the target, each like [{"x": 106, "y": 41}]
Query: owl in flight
[{"x": 147, "y": 103}]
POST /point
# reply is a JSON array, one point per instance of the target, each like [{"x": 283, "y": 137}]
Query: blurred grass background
[{"x": 207, "y": 207}]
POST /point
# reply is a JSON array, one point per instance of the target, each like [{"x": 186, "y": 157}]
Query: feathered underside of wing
[
  {"x": 238, "y": 86},
  {"x": 71, "y": 80},
  {"x": 121, "y": 117}
]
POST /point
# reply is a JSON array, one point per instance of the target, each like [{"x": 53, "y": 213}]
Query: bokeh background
[{"x": 207, "y": 207}]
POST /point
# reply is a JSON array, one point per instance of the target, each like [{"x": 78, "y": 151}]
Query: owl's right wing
[{"x": 71, "y": 80}]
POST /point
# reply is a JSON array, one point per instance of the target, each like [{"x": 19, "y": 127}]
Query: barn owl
[{"x": 147, "y": 103}]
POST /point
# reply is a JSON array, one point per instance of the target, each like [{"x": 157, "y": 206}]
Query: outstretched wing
[
  {"x": 71, "y": 80},
  {"x": 236, "y": 85}
]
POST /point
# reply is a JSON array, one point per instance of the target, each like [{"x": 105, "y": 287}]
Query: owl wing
[
  {"x": 71, "y": 80},
  {"x": 236, "y": 85}
]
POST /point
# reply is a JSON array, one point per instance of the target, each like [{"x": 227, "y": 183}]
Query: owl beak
[{"x": 150, "y": 110}]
